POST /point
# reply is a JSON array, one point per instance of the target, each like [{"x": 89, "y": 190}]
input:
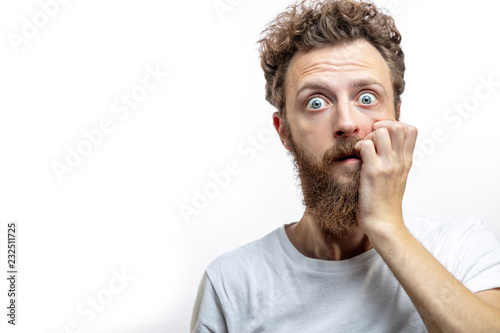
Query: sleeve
[
  {"x": 208, "y": 315},
  {"x": 478, "y": 264}
]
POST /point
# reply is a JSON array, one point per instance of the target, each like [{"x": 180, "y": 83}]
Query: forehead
[{"x": 338, "y": 66}]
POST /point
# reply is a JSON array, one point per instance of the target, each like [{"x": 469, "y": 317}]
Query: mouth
[{"x": 348, "y": 157}]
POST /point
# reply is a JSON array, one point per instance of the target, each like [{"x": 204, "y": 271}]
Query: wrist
[{"x": 386, "y": 231}]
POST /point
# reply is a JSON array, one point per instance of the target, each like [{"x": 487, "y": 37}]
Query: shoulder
[
  {"x": 468, "y": 248},
  {"x": 244, "y": 258},
  {"x": 431, "y": 230},
  {"x": 242, "y": 275},
  {"x": 446, "y": 239}
]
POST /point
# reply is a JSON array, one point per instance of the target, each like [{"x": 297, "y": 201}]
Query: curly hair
[{"x": 318, "y": 23}]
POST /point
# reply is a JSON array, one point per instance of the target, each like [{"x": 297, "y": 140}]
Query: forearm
[{"x": 444, "y": 304}]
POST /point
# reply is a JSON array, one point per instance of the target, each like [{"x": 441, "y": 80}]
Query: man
[{"x": 354, "y": 262}]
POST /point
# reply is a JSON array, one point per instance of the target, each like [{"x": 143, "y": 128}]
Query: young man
[{"x": 354, "y": 262}]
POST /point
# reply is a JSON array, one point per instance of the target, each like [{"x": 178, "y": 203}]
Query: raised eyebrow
[
  {"x": 357, "y": 83},
  {"x": 312, "y": 86}
]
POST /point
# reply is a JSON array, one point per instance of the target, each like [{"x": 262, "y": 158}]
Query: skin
[
  {"x": 335, "y": 74},
  {"x": 336, "y": 77}
]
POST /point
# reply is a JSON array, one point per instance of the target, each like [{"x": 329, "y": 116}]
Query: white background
[{"x": 119, "y": 208}]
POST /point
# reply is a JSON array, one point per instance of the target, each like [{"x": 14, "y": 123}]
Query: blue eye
[
  {"x": 367, "y": 99},
  {"x": 316, "y": 103}
]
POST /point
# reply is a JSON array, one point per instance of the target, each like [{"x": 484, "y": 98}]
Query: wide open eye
[
  {"x": 367, "y": 99},
  {"x": 316, "y": 103}
]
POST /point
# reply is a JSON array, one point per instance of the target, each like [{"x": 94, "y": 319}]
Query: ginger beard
[{"x": 331, "y": 202}]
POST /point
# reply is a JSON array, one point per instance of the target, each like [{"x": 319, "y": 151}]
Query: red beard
[{"x": 331, "y": 203}]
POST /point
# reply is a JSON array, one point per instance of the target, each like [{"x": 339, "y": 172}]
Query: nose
[{"x": 345, "y": 122}]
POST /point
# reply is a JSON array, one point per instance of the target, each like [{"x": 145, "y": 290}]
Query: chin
[{"x": 345, "y": 172}]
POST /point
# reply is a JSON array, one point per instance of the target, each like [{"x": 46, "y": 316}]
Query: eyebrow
[{"x": 322, "y": 85}]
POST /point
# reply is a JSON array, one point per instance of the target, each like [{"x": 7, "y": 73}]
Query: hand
[{"x": 386, "y": 155}]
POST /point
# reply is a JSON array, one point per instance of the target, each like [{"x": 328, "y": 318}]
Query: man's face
[{"x": 334, "y": 95}]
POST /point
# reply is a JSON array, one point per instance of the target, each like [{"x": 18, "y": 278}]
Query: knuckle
[
  {"x": 412, "y": 130},
  {"x": 398, "y": 127},
  {"x": 387, "y": 170},
  {"x": 409, "y": 164},
  {"x": 366, "y": 144},
  {"x": 409, "y": 161},
  {"x": 382, "y": 131}
]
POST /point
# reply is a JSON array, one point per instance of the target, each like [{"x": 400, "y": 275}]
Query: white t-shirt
[{"x": 269, "y": 286}]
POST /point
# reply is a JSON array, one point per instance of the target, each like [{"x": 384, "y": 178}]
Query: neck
[{"x": 312, "y": 242}]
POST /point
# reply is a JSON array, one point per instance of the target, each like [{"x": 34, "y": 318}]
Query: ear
[
  {"x": 280, "y": 128},
  {"x": 398, "y": 110}
]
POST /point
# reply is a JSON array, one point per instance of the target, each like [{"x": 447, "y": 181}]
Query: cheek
[
  {"x": 366, "y": 123},
  {"x": 313, "y": 131},
  {"x": 310, "y": 138},
  {"x": 316, "y": 139},
  {"x": 366, "y": 128}
]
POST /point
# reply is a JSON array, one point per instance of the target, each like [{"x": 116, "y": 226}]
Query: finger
[
  {"x": 382, "y": 123},
  {"x": 397, "y": 134},
  {"x": 383, "y": 146},
  {"x": 411, "y": 134},
  {"x": 366, "y": 150},
  {"x": 369, "y": 136}
]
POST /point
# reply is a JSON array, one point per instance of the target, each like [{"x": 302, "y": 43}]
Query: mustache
[{"x": 341, "y": 150}]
